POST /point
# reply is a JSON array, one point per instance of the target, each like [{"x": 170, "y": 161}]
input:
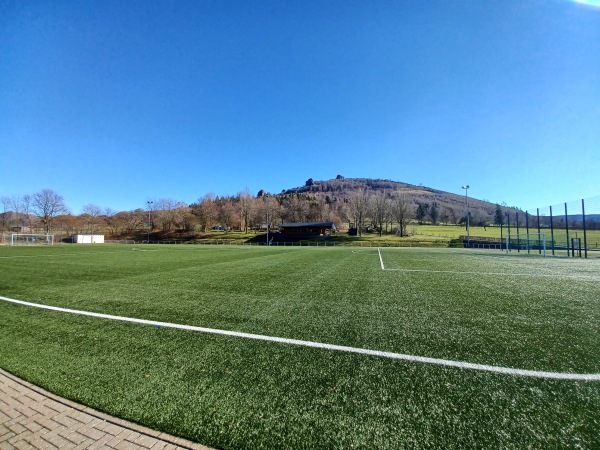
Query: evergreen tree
[
  {"x": 499, "y": 216},
  {"x": 434, "y": 213},
  {"x": 422, "y": 212}
]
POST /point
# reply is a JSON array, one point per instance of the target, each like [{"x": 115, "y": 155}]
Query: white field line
[
  {"x": 341, "y": 348},
  {"x": 50, "y": 255},
  {"x": 458, "y": 272},
  {"x": 517, "y": 274},
  {"x": 380, "y": 259}
]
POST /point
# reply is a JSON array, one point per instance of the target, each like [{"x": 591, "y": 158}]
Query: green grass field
[{"x": 229, "y": 391}]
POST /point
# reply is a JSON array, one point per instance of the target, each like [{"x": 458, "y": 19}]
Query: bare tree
[
  {"x": 48, "y": 204},
  {"x": 380, "y": 208},
  {"x": 167, "y": 212},
  {"x": 21, "y": 207},
  {"x": 402, "y": 212},
  {"x": 286, "y": 209},
  {"x": 227, "y": 213},
  {"x": 359, "y": 209},
  {"x": 343, "y": 212},
  {"x": 132, "y": 220},
  {"x": 93, "y": 212},
  {"x": 315, "y": 210},
  {"x": 185, "y": 219},
  {"x": 6, "y": 203},
  {"x": 277, "y": 212},
  {"x": 26, "y": 202},
  {"x": 258, "y": 212},
  {"x": 112, "y": 221},
  {"x": 298, "y": 209},
  {"x": 69, "y": 224},
  {"x": 16, "y": 205},
  {"x": 245, "y": 205},
  {"x": 206, "y": 211}
]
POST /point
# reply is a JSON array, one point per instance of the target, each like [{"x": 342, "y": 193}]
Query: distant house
[
  {"x": 308, "y": 228},
  {"x": 20, "y": 229}
]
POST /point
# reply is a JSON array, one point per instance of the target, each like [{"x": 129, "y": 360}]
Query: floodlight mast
[
  {"x": 267, "y": 201},
  {"x": 149, "y": 219},
  {"x": 466, "y": 188}
]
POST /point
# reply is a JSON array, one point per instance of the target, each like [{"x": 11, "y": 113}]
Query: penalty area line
[
  {"x": 331, "y": 347},
  {"x": 455, "y": 272},
  {"x": 380, "y": 258}
]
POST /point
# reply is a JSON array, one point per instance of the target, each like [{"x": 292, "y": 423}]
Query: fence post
[
  {"x": 567, "y": 228},
  {"x": 518, "y": 238},
  {"x": 539, "y": 231},
  {"x": 507, "y": 230},
  {"x": 584, "y": 229},
  {"x": 527, "y": 228},
  {"x": 552, "y": 230}
]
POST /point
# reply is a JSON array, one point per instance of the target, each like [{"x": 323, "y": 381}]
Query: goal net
[
  {"x": 529, "y": 243},
  {"x": 31, "y": 239}
]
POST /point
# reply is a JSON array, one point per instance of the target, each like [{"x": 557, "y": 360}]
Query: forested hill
[{"x": 451, "y": 207}]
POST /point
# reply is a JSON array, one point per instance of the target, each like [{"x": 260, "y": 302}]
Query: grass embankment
[
  {"x": 425, "y": 234},
  {"x": 419, "y": 235},
  {"x": 228, "y": 392}
]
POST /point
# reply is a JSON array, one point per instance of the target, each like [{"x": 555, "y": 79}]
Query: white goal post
[
  {"x": 31, "y": 239},
  {"x": 526, "y": 243}
]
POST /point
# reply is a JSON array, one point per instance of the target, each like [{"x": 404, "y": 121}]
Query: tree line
[{"x": 382, "y": 211}]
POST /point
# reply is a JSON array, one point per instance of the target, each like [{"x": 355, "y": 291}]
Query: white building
[{"x": 88, "y": 239}]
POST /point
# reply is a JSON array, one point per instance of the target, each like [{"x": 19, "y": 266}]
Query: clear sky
[{"x": 117, "y": 102}]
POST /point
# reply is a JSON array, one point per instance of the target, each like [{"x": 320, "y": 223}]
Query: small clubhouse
[{"x": 308, "y": 229}]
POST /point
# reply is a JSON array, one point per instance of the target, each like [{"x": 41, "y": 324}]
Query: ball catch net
[{"x": 528, "y": 243}]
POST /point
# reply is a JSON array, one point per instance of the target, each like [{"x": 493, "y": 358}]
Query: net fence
[{"x": 571, "y": 228}]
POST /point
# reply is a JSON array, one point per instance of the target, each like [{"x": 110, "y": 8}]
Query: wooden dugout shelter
[{"x": 308, "y": 228}]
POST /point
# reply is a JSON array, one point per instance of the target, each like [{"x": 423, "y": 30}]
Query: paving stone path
[{"x": 32, "y": 418}]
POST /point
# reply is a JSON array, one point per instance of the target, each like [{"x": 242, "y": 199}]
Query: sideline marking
[
  {"x": 341, "y": 348},
  {"x": 56, "y": 254},
  {"x": 380, "y": 258}
]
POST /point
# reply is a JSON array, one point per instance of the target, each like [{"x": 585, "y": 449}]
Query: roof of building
[{"x": 309, "y": 225}]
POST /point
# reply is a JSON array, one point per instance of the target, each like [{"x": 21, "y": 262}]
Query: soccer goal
[
  {"x": 31, "y": 239},
  {"x": 530, "y": 243}
]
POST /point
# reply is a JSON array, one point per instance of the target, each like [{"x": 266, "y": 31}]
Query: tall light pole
[
  {"x": 267, "y": 201},
  {"x": 149, "y": 219},
  {"x": 466, "y": 188}
]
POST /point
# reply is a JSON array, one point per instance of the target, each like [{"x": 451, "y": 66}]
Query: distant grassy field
[
  {"x": 453, "y": 232},
  {"x": 440, "y": 235},
  {"x": 230, "y": 391}
]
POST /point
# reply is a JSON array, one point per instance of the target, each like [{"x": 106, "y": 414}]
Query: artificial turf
[{"x": 229, "y": 392}]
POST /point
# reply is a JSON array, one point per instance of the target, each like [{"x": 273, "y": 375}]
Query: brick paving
[{"x": 32, "y": 418}]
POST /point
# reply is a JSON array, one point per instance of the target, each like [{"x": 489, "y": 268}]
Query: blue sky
[{"x": 118, "y": 102}]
